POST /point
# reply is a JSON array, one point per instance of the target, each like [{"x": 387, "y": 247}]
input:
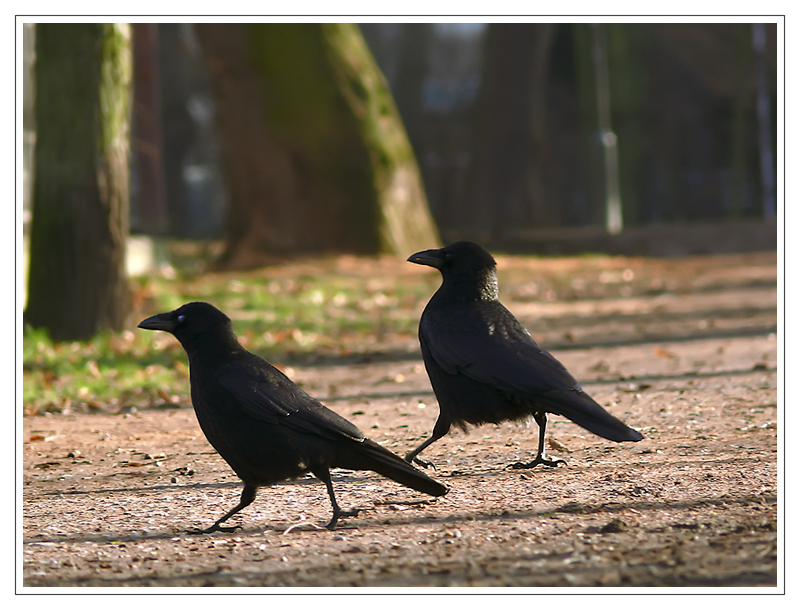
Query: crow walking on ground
[
  {"x": 264, "y": 426},
  {"x": 485, "y": 367}
]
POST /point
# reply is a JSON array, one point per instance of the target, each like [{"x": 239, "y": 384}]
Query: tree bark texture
[
  {"x": 510, "y": 149},
  {"x": 315, "y": 155},
  {"x": 77, "y": 282}
]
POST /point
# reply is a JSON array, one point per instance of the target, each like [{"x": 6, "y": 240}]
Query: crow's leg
[
  {"x": 324, "y": 475},
  {"x": 248, "y": 495},
  {"x": 541, "y": 419},
  {"x": 441, "y": 428}
]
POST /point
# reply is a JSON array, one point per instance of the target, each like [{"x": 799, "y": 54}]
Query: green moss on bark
[{"x": 329, "y": 107}]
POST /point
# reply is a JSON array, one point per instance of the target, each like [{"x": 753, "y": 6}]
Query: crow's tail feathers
[
  {"x": 371, "y": 456},
  {"x": 579, "y": 407}
]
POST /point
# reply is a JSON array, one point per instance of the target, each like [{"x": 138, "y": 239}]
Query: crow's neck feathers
[
  {"x": 469, "y": 285},
  {"x": 216, "y": 343}
]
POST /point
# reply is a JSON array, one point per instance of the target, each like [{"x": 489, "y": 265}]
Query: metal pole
[{"x": 608, "y": 138}]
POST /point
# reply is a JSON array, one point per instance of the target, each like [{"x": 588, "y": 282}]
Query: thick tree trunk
[
  {"x": 77, "y": 282},
  {"x": 510, "y": 157},
  {"x": 316, "y": 158},
  {"x": 541, "y": 209}
]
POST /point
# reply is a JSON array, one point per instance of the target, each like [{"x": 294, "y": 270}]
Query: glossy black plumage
[
  {"x": 262, "y": 424},
  {"x": 483, "y": 364}
]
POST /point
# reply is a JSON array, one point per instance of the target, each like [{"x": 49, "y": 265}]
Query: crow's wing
[
  {"x": 266, "y": 394},
  {"x": 487, "y": 343}
]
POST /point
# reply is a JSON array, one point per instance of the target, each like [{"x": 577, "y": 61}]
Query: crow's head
[
  {"x": 462, "y": 255},
  {"x": 468, "y": 270},
  {"x": 191, "y": 321}
]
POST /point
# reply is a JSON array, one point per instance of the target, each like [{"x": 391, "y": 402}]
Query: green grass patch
[{"x": 285, "y": 313}]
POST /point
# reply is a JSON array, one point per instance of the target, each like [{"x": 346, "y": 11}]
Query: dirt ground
[{"x": 684, "y": 350}]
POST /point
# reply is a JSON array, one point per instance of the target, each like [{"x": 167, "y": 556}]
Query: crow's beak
[
  {"x": 431, "y": 258},
  {"x": 162, "y": 321}
]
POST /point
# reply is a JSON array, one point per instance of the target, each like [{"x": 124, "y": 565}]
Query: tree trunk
[
  {"x": 588, "y": 166},
  {"x": 541, "y": 209},
  {"x": 147, "y": 131},
  {"x": 315, "y": 154},
  {"x": 739, "y": 131},
  {"x": 510, "y": 160},
  {"x": 77, "y": 283},
  {"x": 498, "y": 195}
]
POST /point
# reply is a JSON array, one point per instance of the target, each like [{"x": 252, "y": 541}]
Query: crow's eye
[{"x": 181, "y": 319}]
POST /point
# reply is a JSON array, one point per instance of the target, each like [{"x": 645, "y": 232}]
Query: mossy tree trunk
[
  {"x": 315, "y": 155},
  {"x": 77, "y": 282}
]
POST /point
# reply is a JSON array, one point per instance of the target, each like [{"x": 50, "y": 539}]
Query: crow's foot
[
  {"x": 345, "y": 513},
  {"x": 535, "y": 462}
]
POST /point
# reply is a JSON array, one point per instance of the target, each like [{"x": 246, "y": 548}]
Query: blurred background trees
[
  {"x": 281, "y": 139},
  {"x": 314, "y": 153},
  {"x": 506, "y": 125}
]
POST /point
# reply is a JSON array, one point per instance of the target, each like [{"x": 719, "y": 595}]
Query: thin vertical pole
[{"x": 608, "y": 138}]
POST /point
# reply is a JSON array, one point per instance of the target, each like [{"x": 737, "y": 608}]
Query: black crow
[
  {"x": 485, "y": 367},
  {"x": 262, "y": 424}
]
